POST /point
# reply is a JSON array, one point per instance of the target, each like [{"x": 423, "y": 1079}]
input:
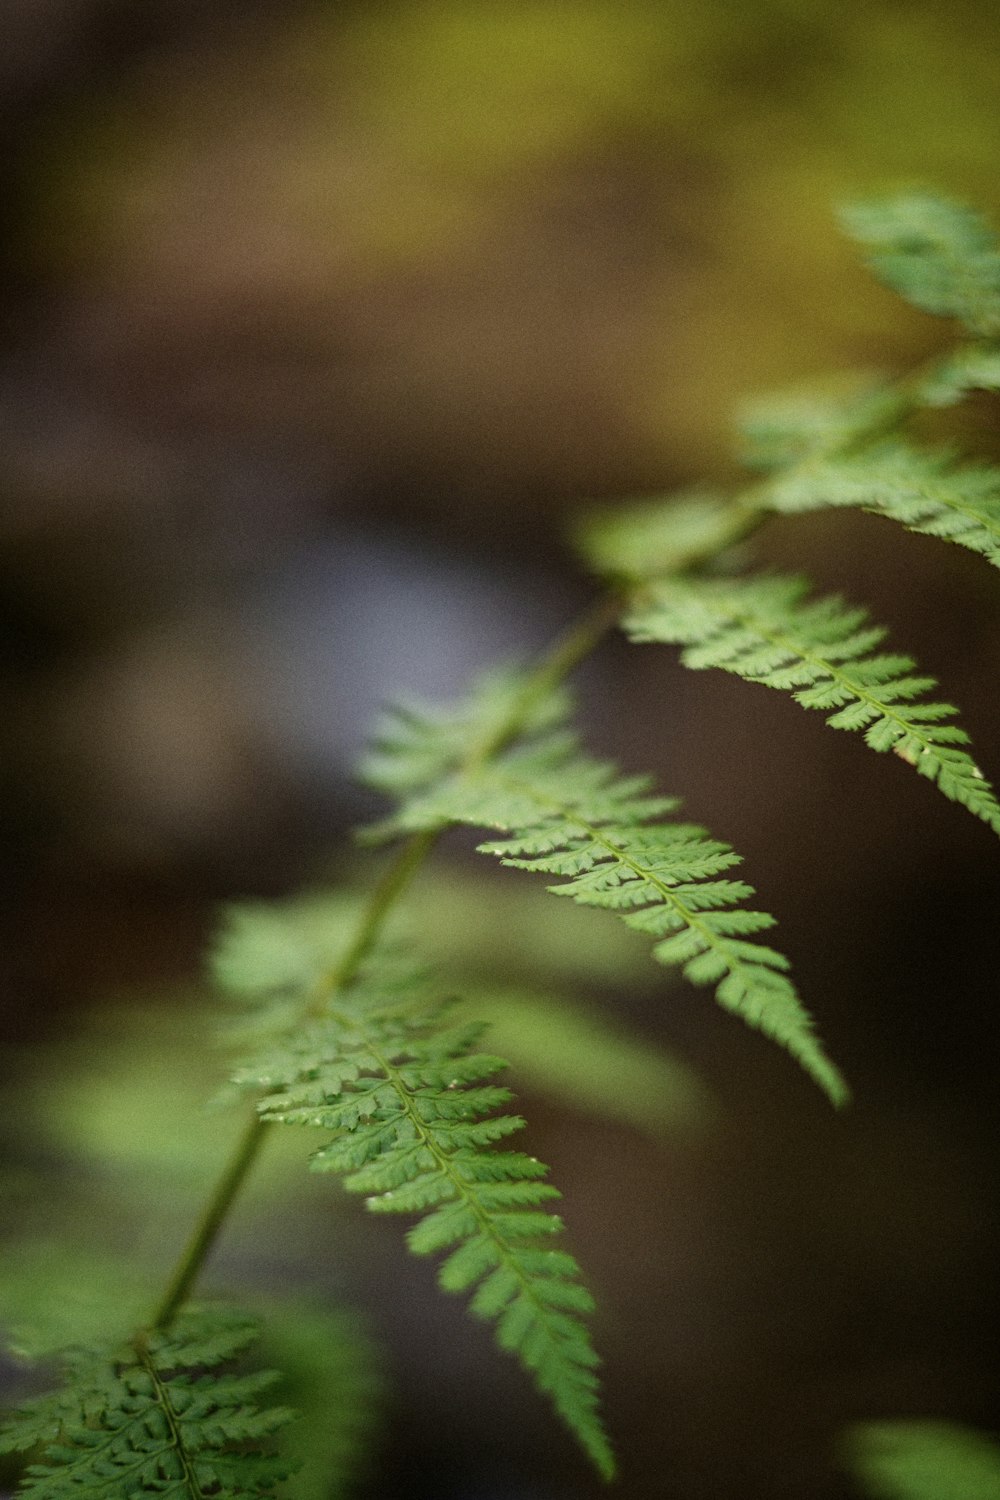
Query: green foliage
[
  {"x": 413, "y": 1112},
  {"x": 415, "y": 749},
  {"x": 331, "y": 1378},
  {"x": 645, "y": 539},
  {"x": 822, "y": 651},
  {"x": 784, "y": 428},
  {"x": 607, "y": 839},
  {"x": 939, "y": 255},
  {"x": 341, "y": 1031},
  {"x": 974, "y": 367},
  {"x": 162, "y": 1414},
  {"x": 923, "y": 1461},
  {"x": 580, "y": 1057},
  {"x": 924, "y": 490}
]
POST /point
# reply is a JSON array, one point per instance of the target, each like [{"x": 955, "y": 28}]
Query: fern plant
[
  {"x": 341, "y": 1029},
  {"x": 159, "y": 1414}
]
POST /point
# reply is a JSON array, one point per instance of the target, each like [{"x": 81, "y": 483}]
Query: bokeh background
[{"x": 320, "y": 322}]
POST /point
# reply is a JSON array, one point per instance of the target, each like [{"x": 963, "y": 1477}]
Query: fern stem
[
  {"x": 384, "y": 897},
  {"x": 206, "y": 1231},
  {"x": 565, "y": 653}
]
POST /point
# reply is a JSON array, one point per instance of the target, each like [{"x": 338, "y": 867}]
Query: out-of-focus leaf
[
  {"x": 332, "y": 1380},
  {"x": 923, "y": 1461},
  {"x": 581, "y": 1058}
]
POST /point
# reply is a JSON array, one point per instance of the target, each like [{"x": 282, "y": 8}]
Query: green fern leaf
[
  {"x": 411, "y": 1107},
  {"x": 641, "y": 539},
  {"x": 788, "y": 427},
  {"x": 925, "y": 491},
  {"x": 604, "y": 836},
  {"x": 974, "y": 367},
  {"x": 155, "y": 1416},
  {"x": 822, "y": 652},
  {"x": 939, "y": 255}
]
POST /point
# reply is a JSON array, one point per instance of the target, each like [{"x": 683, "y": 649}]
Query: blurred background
[{"x": 320, "y": 322}]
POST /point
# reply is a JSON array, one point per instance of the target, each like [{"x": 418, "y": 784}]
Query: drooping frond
[
  {"x": 159, "y": 1415},
  {"x": 412, "y": 1110},
  {"x": 939, "y": 255},
  {"x": 923, "y": 1460},
  {"x": 924, "y": 490},
  {"x": 823, "y": 652},
  {"x": 607, "y": 840}
]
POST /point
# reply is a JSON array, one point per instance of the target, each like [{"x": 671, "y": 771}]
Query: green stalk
[{"x": 568, "y": 649}]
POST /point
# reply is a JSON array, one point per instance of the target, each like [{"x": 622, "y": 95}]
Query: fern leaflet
[
  {"x": 412, "y": 1108},
  {"x": 973, "y": 367},
  {"x": 149, "y": 1417},
  {"x": 415, "y": 749},
  {"x": 925, "y": 491},
  {"x": 939, "y": 255},
  {"x": 605, "y": 837},
  {"x": 764, "y": 630}
]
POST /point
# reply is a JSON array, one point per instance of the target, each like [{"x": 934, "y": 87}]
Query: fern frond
[
  {"x": 938, "y": 254},
  {"x": 924, "y": 490},
  {"x": 605, "y": 837},
  {"x": 155, "y": 1416},
  {"x": 412, "y": 1108},
  {"x": 923, "y": 1460},
  {"x": 822, "y": 651}
]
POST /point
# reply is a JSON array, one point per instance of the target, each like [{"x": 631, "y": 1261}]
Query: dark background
[{"x": 319, "y": 325}]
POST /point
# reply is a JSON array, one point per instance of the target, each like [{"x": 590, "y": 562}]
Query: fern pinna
[
  {"x": 157, "y": 1415},
  {"x": 413, "y": 1112},
  {"x": 925, "y": 490},
  {"x": 822, "y": 651},
  {"x": 609, "y": 841}
]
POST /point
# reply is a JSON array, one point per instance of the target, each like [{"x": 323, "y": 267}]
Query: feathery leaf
[
  {"x": 412, "y": 749},
  {"x": 605, "y": 837},
  {"x": 972, "y": 367},
  {"x": 924, "y": 490},
  {"x": 154, "y": 1416},
  {"x": 411, "y": 1106},
  {"x": 823, "y": 652},
  {"x": 786, "y": 427},
  {"x": 939, "y": 255}
]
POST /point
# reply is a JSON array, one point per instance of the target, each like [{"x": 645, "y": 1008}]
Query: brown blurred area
[{"x": 319, "y": 324}]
